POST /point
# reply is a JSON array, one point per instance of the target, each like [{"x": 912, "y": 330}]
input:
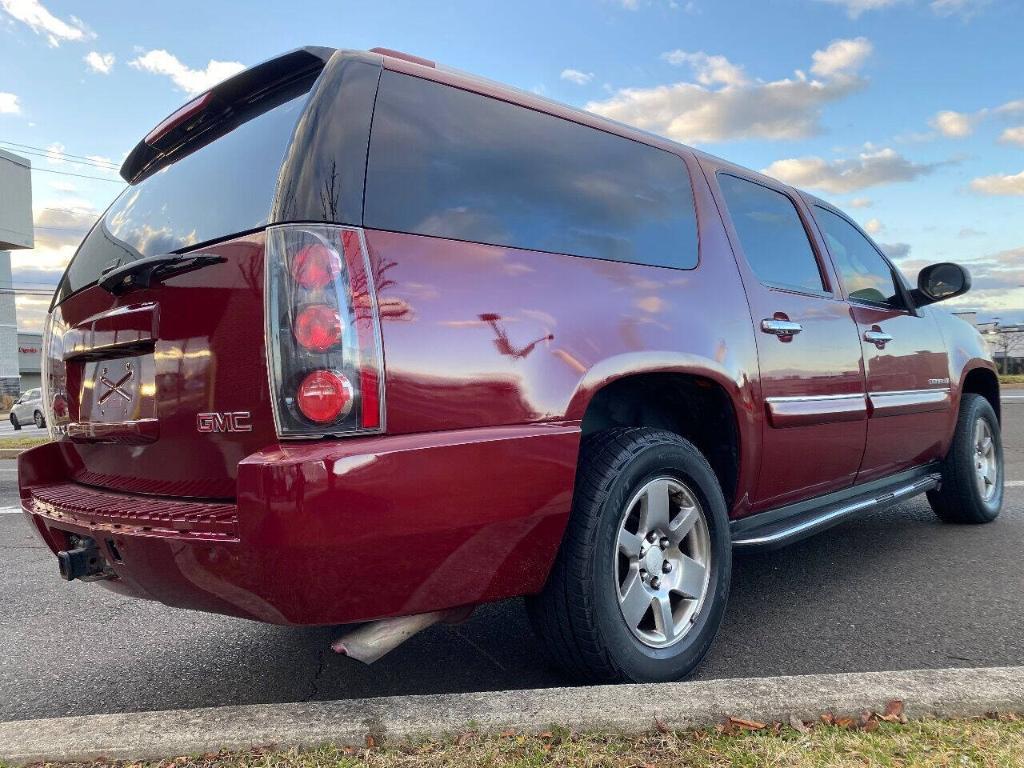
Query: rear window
[
  {"x": 454, "y": 164},
  {"x": 224, "y": 188}
]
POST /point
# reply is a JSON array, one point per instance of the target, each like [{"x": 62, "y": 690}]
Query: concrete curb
[
  {"x": 623, "y": 708},
  {"x": 11, "y": 453}
]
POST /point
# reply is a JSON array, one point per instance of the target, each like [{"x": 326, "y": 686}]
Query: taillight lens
[
  {"x": 315, "y": 266},
  {"x": 318, "y": 327},
  {"x": 324, "y": 396},
  {"x": 323, "y": 333}
]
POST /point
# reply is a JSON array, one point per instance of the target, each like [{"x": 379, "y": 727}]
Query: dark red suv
[{"x": 369, "y": 340}]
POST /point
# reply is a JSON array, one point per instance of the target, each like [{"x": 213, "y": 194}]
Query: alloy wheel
[
  {"x": 986, "y": 460},
  {"x": 662, "y": 562}
]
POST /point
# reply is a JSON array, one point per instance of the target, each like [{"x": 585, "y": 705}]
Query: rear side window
[
  {"x": 866, "y": 276},
  {"x": 450, "y": 163},
  {"x": 771, "y": 234}
]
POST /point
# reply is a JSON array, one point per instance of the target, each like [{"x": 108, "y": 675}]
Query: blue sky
[{"x": 909, "y": 114}]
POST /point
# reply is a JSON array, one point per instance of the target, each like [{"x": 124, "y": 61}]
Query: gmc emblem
[{"x": 236, "y": 421}]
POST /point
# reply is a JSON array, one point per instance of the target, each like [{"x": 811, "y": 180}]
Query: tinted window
[
  {"x": 771, "y": 234},
  {"x": 225, "y": 187},
  {"x": 454, "y": 164},
  {"x": 866, "y": 276}
]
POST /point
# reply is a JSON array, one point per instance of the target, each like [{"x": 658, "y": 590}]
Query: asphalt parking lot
[{"x": 893, "y": 590}]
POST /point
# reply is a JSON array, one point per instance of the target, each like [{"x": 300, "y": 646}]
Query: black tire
[
  {"x": 578, "y": 614},
  {"x": 14, "y": 422},
  {"x": 959, "y": 499},
  {"x": 40, "y": 422}
]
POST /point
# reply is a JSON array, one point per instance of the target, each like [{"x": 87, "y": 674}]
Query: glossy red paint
[
  {"x": 196, "y": 341},
  {"x": 492, "y": 356},
  {"x": 340, "y": 531}
]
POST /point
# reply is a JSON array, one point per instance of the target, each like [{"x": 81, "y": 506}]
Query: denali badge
[
  {"x": 936, "y": 382},
  {"x": 233, "y": 421}
]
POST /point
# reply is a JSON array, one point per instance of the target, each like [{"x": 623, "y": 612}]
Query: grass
[
  {"x": 23, "y": 441},
  {"x": 960, "y": 743},
  {"x": 1011, "y": 378}
]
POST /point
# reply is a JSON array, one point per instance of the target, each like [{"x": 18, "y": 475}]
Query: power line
[
  {"x": 79, "y": 175},
  {"x": 62, "y": 153},
  {"x": 69, "y": 159}
]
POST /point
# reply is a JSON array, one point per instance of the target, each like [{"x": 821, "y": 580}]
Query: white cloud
[
  {"x": 869, "y": 169},
  {"x": 42, "y": 22},
  {"x": 1000, "y": 184},
  {"x": 709, "y": 70},
  {"x": 100, "y": 62},
  {"x": 725, "y": 104},
  {"x": 1009, "y": 136},
  {"x": 841, "y": 57},
  {"x": 954, "y": 125},
  {"x": 192, "y": 81},
  {"x": 895, "y": 251},
  {"x": 575, "y": 76},
  {"x": 855, "y": 8},
  {"x": 55, "y": 153},
  {"x": 861, "y": 202},
  {"x": 9, "y": 104},
  {"x": 873, "y": 226}
]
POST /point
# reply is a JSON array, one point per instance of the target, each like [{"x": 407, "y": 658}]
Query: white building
[{"x": 15, "y": 232}]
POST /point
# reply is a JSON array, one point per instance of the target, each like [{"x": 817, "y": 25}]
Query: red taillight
[
  {"x": 315, "y": 266},
  {"x": 324, "y": 396},
  {"x": 318, "y": 328},
  {"x": 323, "y": 332}
]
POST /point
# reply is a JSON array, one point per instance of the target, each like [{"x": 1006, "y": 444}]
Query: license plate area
[{"x": 116, "y": 400}]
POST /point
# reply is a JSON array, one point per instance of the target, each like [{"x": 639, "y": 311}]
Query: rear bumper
[{"x": 333, "y": 532}]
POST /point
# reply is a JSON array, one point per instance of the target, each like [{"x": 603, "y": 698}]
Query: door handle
[
  {"x": 877, "y": 336},
  {"x": 778, "y": 327}
]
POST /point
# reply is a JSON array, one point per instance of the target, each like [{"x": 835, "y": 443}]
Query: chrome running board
[{"x": 785, "y": 525}]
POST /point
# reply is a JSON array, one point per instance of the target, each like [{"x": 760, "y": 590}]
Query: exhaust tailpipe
[{"x": 371, "y": 641}]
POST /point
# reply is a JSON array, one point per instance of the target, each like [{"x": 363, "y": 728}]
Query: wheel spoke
[
  {"x": 663, "y": 618},
  {"x": 655, "y": 512},
  {"x": 629, "y": 544},
  {"x": 985, "y": 446},
  {"x": 683, "y": 523},
  {"x": 691, "y": 579},
  {"x": 635, "y": 600}
]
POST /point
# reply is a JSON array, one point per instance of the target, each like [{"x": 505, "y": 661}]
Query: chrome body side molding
[
  {"x": 903, "y": 401},
  {"x": 820, "y": 409}
]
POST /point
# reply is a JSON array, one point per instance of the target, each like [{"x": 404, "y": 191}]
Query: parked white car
[{"x": 28, "y": 408}]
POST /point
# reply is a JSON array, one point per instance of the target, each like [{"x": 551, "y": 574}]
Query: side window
[
  {"x": 771, "y": 234},
  {"x": 867, "y": 276},
  {"x": 450, "y": 163}
]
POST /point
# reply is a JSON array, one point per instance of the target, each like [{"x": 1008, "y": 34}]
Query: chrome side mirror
[{"x": 938, "y": 282}]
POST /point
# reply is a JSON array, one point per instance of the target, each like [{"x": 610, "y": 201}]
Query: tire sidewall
[
  {"x": 963, "y": 456},
  {"x": 636, "y": 660},
  {"x": 14, "y": 422}
]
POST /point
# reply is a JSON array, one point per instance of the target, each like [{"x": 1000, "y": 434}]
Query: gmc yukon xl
[{"x": 369, "y": 341}]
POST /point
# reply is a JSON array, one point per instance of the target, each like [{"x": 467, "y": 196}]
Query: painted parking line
[{"x": 9, "y": 510}]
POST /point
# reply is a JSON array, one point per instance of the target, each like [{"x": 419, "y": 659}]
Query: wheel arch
[
  {"x": 690, "y": 396},
  {"x": 982, "y": 380}
]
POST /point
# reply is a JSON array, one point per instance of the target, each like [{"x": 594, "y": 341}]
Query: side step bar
[{"x": 786, "y": 525}]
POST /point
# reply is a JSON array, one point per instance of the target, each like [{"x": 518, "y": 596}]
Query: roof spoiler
[{"x": 219, "y": 104}]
